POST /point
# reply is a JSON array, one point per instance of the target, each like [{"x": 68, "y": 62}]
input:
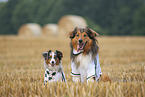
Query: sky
[{"x": 3, "y": 0}]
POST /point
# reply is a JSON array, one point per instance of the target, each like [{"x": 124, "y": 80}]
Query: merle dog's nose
[
  {"x": 80, "y": 40},
  {"x": 52, "y": 62}
]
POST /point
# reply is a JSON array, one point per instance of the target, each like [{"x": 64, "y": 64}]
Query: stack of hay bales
[
  {"x": 65, "y": 25},
  {"x": 30, "y": 29},
  {"x": 50, "y": 30},
  {"x": 69, "y": 22}
]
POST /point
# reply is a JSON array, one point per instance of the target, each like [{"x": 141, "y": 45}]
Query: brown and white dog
[
  {"x": 84, "y": 55},
  {"x": 53, "y": 67}
]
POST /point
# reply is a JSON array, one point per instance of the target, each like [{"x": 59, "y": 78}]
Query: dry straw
[
  {"x": 69, "y": 22},
  {"x": 30, "y": 29},
  {"x": 22, "y": 74},
  {"x": 50, "y": 30}
]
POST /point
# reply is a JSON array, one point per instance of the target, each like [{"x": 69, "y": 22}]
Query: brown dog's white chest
[{"x": 82, "y": 61}]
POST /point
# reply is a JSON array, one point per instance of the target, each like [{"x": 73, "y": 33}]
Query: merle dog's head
[{"x": 52, "y": 58}]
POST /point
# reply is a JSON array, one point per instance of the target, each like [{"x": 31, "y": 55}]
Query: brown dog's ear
[
  {"x": 59, "y": 54},
  {"x": 94, "y": 33},
  {"x": 73, "y": 33}
]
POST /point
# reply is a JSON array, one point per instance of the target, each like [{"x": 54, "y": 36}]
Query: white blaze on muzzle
[{"x": 52, "y": 61}]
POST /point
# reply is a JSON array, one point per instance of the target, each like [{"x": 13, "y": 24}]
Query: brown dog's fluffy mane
[{"x": 92, "y": 35}]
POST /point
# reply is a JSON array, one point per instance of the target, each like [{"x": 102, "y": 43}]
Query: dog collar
[{"x": 75, "y": 52}]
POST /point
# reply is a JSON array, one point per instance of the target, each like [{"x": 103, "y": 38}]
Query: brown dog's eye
[
  {"x": 85, "y": 35},
  {"x": 77, "y": 35}
]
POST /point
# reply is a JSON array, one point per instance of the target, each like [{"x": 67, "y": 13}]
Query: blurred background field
[{"x": 22, "y": 72}]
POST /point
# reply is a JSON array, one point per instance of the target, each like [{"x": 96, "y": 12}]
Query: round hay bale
[
  {"x": 30, "y": 29},
  {"x": 67, "y": 24},
  {"x": 50, "y": 29}
]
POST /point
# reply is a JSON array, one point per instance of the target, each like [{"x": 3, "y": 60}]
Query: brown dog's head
[{"x": 82, "y": 39}]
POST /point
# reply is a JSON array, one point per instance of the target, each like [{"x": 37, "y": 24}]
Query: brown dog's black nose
[{"x": 80, "y": 40}]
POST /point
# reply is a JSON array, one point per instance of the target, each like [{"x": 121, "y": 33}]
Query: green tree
[
  {"x": 5, "y": 17},
  {"x": 118, "y": 17},
  {"x": 36, "y": 11},
  {"x": 21, "y": 14},
  {"x": 139, "y": 21}
]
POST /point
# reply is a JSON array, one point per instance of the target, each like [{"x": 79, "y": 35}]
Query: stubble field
[{"x": 22, "y": 72}]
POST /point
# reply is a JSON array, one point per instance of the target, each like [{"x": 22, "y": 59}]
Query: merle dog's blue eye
[
  {"x": 49, "y": 57},
  {"x": 77, "y": 35}
]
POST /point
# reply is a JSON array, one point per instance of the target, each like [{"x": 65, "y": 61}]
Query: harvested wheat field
[{"x": 22, "y": 72}]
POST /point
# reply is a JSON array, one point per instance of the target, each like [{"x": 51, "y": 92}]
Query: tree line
[{"x": 115, "y": 17}]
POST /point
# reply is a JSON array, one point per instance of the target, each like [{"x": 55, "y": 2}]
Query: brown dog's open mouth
[{"x": 80, "y": 46}]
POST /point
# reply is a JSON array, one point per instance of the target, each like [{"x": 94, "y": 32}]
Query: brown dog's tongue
[
  {"x": 77, "y": 51},
  {"x": 79, "y": 47}
]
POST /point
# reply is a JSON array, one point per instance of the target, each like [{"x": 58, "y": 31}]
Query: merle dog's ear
[
  {"x": 46, "y": 54},
  {"x": 59, "y": 54},
  {"x": 49, "y": 52},
  {"x": 73, "y": 33},
  {"x": 94, "y": 33}
]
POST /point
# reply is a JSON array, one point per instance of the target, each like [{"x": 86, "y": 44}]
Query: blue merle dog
[{"x": 53, "y": 67}]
